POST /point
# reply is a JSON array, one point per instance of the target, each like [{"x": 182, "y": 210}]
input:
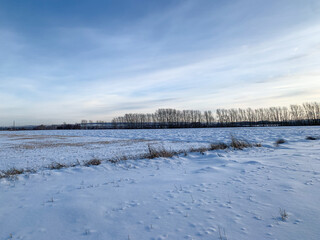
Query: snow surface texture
[
  {"x": 186, "y": 197},
  {"x": 35, "y": 149}
]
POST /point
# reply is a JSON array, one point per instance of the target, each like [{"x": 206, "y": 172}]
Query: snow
[
  {"x": 36, "y": 149},
  {"x": 186, "y": 197}
]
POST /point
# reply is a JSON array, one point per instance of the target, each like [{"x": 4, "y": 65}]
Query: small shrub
[
  {"x": 14, "y": 171},
  {"x": 203, "y": 150},
  {"x": 114, "y": 160},
  {"x": 257, "y": 145},
  {"x": 312, "y": 138},
  {"x": 123, "y": 158},
  {"x": 280, "y": 141},
  {"x": 93, "y": 162},
  {"x": 283, "y": 214}
]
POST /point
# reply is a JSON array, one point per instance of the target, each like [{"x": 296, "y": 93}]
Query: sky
[{"x": 68, "y": 60}]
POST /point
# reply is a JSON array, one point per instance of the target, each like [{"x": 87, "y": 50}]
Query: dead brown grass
[
  {"x": 218, "y": 146},
  {"x": 283, "y": 214},
  {"x": 37, "y": 145},
  {"x": 34, "y": 137},
  {"x": 280, "y": 141},
  {"x": 52, "y": 144},
  {"x": 11, "y": 172},
  {"x": 154, "y": 152},
  {"x": 201, "y": 150},
  {"x": 242, "y": 143},
  {"x": 312, "y": 138},
  {"x": 93, "y": 162},
  {"x": 122, "y": 158},
  {"x": 56, "y": 165},
  {"x": 239, "y": 144}
]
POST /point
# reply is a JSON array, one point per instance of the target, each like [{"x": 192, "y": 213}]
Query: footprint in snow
[
  {"x": 206, "y": 169},
  {"x": 257, "y": 218},
  {"x": 252, "y": 162}
]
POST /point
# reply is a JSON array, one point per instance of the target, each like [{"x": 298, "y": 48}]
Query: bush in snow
[
  {"x": 280, "y": 141},
  {"x": 312, "y": 138},
  {"x": 159, "y": 152},
  {"x": 92, "y": 162},
  {"x": 283, "y": 214}
]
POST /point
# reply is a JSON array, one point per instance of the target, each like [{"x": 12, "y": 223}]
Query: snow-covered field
[{"x": 237, "y": 193}]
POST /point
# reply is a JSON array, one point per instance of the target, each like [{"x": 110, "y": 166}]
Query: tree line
[
  {"x": 295, "y": 115},
  {"x": 305, "y": 114}
]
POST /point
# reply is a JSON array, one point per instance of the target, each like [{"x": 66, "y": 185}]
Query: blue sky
[{"x": 64, "y": 60}]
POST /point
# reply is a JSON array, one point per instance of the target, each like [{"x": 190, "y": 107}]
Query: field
[{"x": 267, "y": 192}]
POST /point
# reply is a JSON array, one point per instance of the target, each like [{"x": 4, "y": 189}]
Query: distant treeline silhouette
[
  {"x": 295, "y": 115},
  {"x": 305, "y": 114}
]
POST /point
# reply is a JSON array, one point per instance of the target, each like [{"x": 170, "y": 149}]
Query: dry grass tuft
[
  {"x": 283, "y": 214},
  {"x": 240, "y": 144},
  {"x": 280, "y": 141},
  {"x": 257, "y": 145},
  {"x": 218, "y": 146},
  {"x": 312, "y": 138},
  {"x": 159, "y": 152},
  {"x": 93, "y": 162},
  {"x": 201, "y": 150},
  {"x": 11, "y": 172},
  {"x": 119, "y": 159}
]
